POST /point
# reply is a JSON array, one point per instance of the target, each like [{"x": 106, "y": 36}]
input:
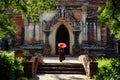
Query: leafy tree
[
  {"x": 110, "y": 15},
  {"x": 27, "y": 8}
]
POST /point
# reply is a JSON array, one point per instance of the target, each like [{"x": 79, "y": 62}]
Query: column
[
  {"x": 26, "y": 33},
  {"x": 104, "y": 34},
  {"x": 98, "y": 34},
  {"x": 94, "y": 33},
  {"x": 86, "y": 32},
  {"x": 89, "y": 33},
  {"x": 33, "y": 33},
  {"x": 37, "y": 31}
]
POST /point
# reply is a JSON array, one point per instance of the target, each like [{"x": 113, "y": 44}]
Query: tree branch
[{"x": 114, "y": 10}]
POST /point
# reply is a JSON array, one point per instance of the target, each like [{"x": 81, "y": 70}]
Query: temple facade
[{"x": 73, "y": 22}]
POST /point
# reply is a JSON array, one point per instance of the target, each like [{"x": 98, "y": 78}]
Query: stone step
[
  {"x": 60, "y": 68},
  {"x": 60, "y": 72},
  {"x": 60, "y": 64}
]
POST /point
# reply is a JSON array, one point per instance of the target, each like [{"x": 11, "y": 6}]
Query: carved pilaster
[
  {"x": 47, "y": 47},
  {"x": 76, "y": 46}
]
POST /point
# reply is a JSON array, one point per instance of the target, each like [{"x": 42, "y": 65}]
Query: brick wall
[{"x": 19, "y": 30}]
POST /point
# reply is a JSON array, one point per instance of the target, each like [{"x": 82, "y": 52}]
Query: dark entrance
[{"x": 62, "y": 35}]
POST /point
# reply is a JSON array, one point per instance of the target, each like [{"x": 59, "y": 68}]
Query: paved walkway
[
  {"x": 60, "y": 76},
  {"x": 56, "y": 60}
]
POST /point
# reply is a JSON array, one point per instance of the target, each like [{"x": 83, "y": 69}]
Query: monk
[{"x": 61, "y": 54}]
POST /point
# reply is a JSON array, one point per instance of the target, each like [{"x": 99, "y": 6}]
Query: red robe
[{"x": 61, "y": 55}]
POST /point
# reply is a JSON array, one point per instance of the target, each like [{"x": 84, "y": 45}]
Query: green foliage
[
  {"x": 108, "y": 13},
  {"x": 27, "y": 52},
  {"x": 18, "y": 68},
  {"x": 105, "y": 12},
  {"x": 27, "y": 8},
  {"x": 10, "y": 67},
  {"x": 108, "y": 69},
  {"x": 6, "y": 24}
]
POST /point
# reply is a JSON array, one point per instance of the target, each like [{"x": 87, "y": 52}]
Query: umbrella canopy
[{"x": 62, "y": 45}]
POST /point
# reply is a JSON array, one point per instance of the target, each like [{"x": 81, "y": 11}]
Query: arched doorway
[{"x": 62, "y": 35}]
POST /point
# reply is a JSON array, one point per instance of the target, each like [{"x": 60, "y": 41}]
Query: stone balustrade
[
  {"x": 91, "y": 67},
  {"x": 30, "y": 64}
]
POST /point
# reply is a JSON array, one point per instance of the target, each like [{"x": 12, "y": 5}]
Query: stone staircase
[{"x": 60, "y": 68}]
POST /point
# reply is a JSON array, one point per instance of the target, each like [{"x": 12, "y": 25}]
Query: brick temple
[{"x": 73, "y": 22}]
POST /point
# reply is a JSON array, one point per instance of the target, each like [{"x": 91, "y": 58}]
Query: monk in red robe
[{"x": 61, "y": 54}]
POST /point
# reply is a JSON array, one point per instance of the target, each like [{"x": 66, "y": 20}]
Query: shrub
[
  {"x": 27, "y": 52},
  {"x": 18, "y": 68},
  {"x": 10, "y": 67},
  {"x": 108, "y": 69}
]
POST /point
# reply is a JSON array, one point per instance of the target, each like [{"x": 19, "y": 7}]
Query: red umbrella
[{"x": 62, "y": 45}]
